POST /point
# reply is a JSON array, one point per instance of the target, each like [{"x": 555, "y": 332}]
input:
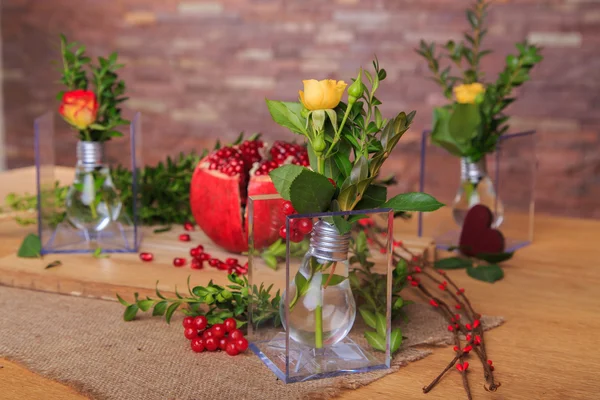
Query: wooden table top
[{"x": 547, "y": 349}]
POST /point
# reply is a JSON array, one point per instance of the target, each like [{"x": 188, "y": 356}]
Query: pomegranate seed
[
  {"x": 241, "y": 270},
  {"x": 231, "y": 261},
  {"x": 204, "y": 256},
  {"x": 194, "y": 252},
  {"x": 146, "y": 256},
  {"x": 197, "y": 264},
  {"x": 184, "y": 237},
  {"x": 188, "y": 226},
  {"x": 213, "y": 262},
  {"x": 222, "y": 266},
  {"x": 197, "y": 345},
  {"x": 179, "y": 262}
]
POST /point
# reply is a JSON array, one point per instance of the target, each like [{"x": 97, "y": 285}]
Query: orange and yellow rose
[
  {"x": 322, "y": 95},
  {"x": 79, "y": 108}
]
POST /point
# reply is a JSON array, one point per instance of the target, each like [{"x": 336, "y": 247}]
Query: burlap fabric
[{"x": 86, "y": 344}]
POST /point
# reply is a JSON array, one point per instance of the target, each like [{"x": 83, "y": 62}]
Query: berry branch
[{"x": 421, "y": 271}]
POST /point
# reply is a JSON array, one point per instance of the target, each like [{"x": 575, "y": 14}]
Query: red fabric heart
[{"x": 477, "y": 236}]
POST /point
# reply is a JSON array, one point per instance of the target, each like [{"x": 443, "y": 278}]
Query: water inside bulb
[
  {"x": 337, "y": 304},
  {"x": 92, "y": 201},
  {"x": 321, "y": 308},
  {"x": 476, "y": 187}
]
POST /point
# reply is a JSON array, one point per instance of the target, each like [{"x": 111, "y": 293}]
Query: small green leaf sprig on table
[
  {"x": 483, "y": 267},
  {"x": 215, "y": 302},
  {"x": 471, "y": 126}
]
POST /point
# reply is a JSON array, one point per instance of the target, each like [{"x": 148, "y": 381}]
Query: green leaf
[
  {"x": 343, "y": 226},
  {"x": 487, "y": 273},
  {"x": 381, "y": 324},
  {"x": 287, "y": 115},
  {"x": 375, "y": 340},
  {"x": 343, "y": 163},
  {"x": 368, "y": 317},
  {"x": 398, "y": 303},
  {"x": 360, "y": 170},
  {"x": 335, "y": 279},
  {"x": 414, "y": 201},
  {"x": 123, "y": 302},
  {"x": 283, "y": 177},
  {"x": 494, "y": 257},
  {"x": 453, "y": 263},
  {"x": 159, "y": 308},
  {"x": 440, "y": 135},
  {"x": 31, "y": 247},
  {"x": 53, "y": 264},
  {"x": 163, "y": 229},
  {"x": 372, "y": 198},
  {"x": 170, "y": 310},
  {"x": 395, "y": 340},
  {"x": 301, "y": 288},
  {"x": 130, "y": 312},
  {"x": 145, "y": 305},
  {"x": 311, "y": 192},
  {"x": 347, "y": 197},
  {"x": 464, "y": 122}
]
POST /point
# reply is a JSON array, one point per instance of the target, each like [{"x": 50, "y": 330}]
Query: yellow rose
[
  {"x": 322, "y": 95},
  {"x": 466, "y": 94}
]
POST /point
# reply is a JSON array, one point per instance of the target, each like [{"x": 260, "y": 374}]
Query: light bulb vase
[
  {"x": 320, "y": 333},
  {"x": 90, "y": 214}
]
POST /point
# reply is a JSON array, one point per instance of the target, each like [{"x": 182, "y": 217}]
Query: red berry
[
  {"x": 223, "y": 343},
  {"x": 235, "y": 334},
  {"x": 332, "y": 182},
  {"x": 190, "y": 333},
  {"x": 241, "y": 344},
  {"x": 283, "y": 232},
  {"x": 230, "y": 324},
  {"x": 188, "y": 226},
  {"x": 207, "y": 334},
  {"x": 433, "y": 303},
  {"x": 188, "y": 322},
  {"x": 200, "y": 249},
  {"x": 211, "y": 344},
  {"x": 231, "y": 349},
  {"x": 222, "y": 266},
  {"x": 197, "y": 345},
  {"x": 241, "y": 270},
  {"x": 179, "y": 262},
  {"x": 231, "y": 261},
  {"x": 296, "y": 236},
  {"x": 197, "y": 264},
  {"x": 305, "y": 226},
  {"x": 146, "y": 256},
  {"x": 200, "y": 322},
  {"x": 218, "y": 330},
  {"x": 213, "y": 262},
  {"x": 204, "y": 257},
  {"x": 287, "y": 208},
  {"x": 184, "y": 237}
]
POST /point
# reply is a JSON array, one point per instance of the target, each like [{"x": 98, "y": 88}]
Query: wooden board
[{"x": 84, "y": 275}]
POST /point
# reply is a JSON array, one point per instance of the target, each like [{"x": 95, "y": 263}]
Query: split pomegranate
[{"x": 222, "y": 183}]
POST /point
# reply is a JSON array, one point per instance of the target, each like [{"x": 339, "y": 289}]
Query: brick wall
[{"x": 201, "y": 69}]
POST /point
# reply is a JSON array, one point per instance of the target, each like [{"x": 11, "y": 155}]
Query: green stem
[
  {"x": 321, "y": 164},
  {"x": 319, "y": 326},
  {"x": 336, "y": 138}
]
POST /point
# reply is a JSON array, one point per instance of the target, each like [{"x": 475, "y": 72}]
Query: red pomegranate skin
[{"x": 216, "y": 205}]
